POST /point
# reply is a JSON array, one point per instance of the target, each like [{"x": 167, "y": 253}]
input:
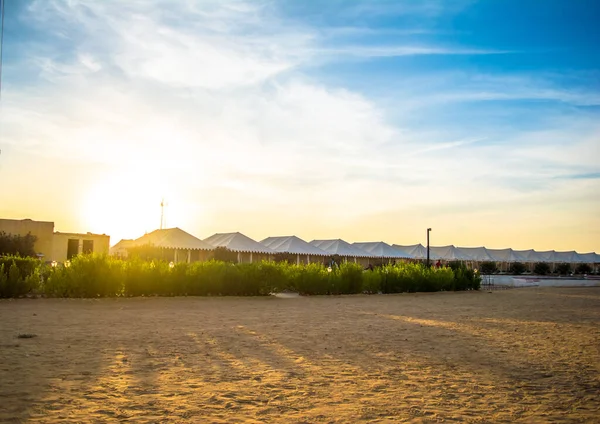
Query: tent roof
[
  {"x": 237, "y": 242},
  {"x": 172, "y": 238},
  {"x": 527, "y": 255},
  {"x": 476, "y": 253},
  {"x": 418, "y": 251},
  {"x": 120, "y": 246},
  {"x": 450, "y": 253},
  {"x": 340, "y": 247},
  {"x": 506, "y": 255},
  {"x": 292, "y": 244},
  {"x": 380, "y": 249},
  {"x": 569, "y": 257},
  {"x": 589, "y": 258},
  {"x": 545, "y": 256}
]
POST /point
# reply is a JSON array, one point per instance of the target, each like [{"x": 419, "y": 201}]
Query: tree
[
  {"x": 541, "y": 268},
  {"x": 517, "y": 268},
  {"x": 563, "y": 269},
  {"x": 583, "y": 269},
  {"x": 14, "y": 244},
  {"x": 488, "y": 268}
]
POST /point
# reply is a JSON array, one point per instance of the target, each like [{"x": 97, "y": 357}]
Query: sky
[{"x": 361, "y": 120}]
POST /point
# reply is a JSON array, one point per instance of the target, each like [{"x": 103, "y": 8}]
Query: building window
[
  {"x": 88, "y": 247},
  {"x": 72, "y": 248}
]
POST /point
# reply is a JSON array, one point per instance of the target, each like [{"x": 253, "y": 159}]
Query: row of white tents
[{"x": 183, "y": 244}]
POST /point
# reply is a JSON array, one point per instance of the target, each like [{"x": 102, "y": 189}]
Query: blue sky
[{"x": 438, "y": 113}]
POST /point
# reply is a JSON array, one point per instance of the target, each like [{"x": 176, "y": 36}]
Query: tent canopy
[
  {"x": 172, "y": 238},
  {"x": 121, "y": 246},
  {"x": 418, "y": 251},
  {"x": 450, "y": 253},
  {"x": 292, "y": 244},
  {"x": 527, "y": 255},
  {"x": 380, "y": 249},
  {"x": 589, "y": 258},
  {"x": 340, "y": 247},
  {"x": 237, "y": 242},
  {"x": 545, "y": 256},
  {"x": 476, "y": 253},
  {"x": 568, "y": 257},
  {"x": 506, "y": 255}
]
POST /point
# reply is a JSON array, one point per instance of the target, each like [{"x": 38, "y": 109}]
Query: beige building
[
  {"x": 67, "y": 245},
  {"x": 55, "y": 246}
]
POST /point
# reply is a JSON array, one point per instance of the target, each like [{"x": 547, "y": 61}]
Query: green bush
[
  {"x": 413, "y": 277},
  {"x": 87, "y": 276},
  {"x": 102, "y": 276},
  {"x": 541, "y": 268},
  {"x": 517, "y": 268},
  {"x": 18, "y": 276},
  {"x": 371, "y": 282}
]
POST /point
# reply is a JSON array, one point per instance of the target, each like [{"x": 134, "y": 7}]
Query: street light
[{"x": 428, "y": 231}]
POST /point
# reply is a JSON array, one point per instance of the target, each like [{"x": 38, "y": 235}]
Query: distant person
[{"x": 438, "y": 264}]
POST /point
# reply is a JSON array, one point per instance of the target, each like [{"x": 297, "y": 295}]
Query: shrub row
[
  {"x": 18, "y": 276},
  {"x": 102, "y": 276}
]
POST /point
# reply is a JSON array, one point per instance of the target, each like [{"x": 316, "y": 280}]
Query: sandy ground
[{"x": 521, "y": 355}]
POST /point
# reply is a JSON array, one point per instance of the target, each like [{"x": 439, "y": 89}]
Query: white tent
[
  {"x": 120, "y": 249},
  {"x": 567, "y": 257},
  {"x": 292, "y": 244},
  {"x": 449, "y": 253},
  {"x": 545, "y": 256},
  {"x": 589, "y": 258},
  {"x": 506, "y": 255},
  {"x": 380, "y": 249},
  {"x": 527, "y": 255},
  {"x": 341, "y": 248},
  {"x": 172, "y": 238},
  {"x": 418, "y": 251},
  {"x": 476, "y": 253},
  {"x": 237, "y": 242}
]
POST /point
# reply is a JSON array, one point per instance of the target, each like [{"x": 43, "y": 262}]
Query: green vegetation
[
  {"x": 541, "y": 268},
  {"x": 563, "y": 269},
  {"x": 102, "y": 276},
  {"x": 583, "y": 269},
  {"x": 488, "y": 268},
  {"x": 13, "y": 244},
  {"x": 517, "y": 268},
  {"x": 19, "y": 276}
]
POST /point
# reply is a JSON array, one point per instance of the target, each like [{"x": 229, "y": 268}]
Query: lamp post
[{"x": 428, "y": 231}]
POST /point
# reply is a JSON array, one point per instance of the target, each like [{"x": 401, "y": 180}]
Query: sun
[{"x": 124, "y": 205}]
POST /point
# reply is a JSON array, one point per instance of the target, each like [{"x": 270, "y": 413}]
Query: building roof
[
  {"x": 292, "y": 244},
  {"x": 237, "y": 242}
]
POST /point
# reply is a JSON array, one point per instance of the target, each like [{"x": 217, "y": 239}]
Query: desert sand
[{"x": 520, "y": 355}]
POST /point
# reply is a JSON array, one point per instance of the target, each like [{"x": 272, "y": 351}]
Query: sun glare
[{"x": 125, "y": 205}]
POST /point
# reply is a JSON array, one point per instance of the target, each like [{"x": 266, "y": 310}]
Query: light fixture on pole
[{"x": 428, "y": 231}]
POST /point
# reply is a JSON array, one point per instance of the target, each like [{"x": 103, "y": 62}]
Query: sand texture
[{"x": 521, "y": 355}]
